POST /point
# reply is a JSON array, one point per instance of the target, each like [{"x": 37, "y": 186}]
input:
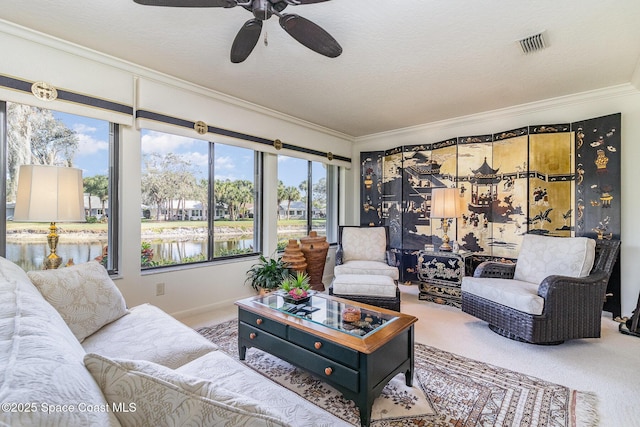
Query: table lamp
[
  {"x": 50, "y": 194},
  {"x": 445, "y": 204}
]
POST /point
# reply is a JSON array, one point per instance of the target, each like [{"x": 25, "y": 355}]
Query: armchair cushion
[
  {"x": 543, "y": 256},
  {"x": 371, "y": 285},
  {"x": 364, "y": 243},
  {"x": 366, "y": 268},
  {"x": 517, "y": 294}
]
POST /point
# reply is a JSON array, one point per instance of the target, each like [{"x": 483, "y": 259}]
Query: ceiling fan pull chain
[{"x": 266, "y": 32}]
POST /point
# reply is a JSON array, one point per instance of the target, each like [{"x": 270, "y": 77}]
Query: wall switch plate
[{"x": 159, "y": 289}]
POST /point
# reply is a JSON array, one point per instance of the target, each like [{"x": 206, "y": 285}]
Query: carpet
[{"x": 448, "y": 391}]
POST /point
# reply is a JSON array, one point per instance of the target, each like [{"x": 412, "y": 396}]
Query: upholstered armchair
[
  {"x": 365, "y": 250},
  {"x": 555, "y": 292},
  {"x": 365, "y": 268}
]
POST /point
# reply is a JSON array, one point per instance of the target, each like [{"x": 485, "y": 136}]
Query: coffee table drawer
[
  {"x": 343, "y": 355},
  {"x": 326, "y": 369},
  {"x": 264, "y": 323}
]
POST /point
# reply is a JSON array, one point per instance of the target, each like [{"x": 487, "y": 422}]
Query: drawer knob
[
  {"x": 252, "y": 335},
  {"x": 317, "y": 345},
  {"x": 328, "y": 371},
  {"x": 259, "y": 321}
]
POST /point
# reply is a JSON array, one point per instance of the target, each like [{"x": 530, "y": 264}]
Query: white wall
[
  {"x": 35, "y": 57},
  {"x": 624, "y": 99},
  {"x": 190, "y": 290}
]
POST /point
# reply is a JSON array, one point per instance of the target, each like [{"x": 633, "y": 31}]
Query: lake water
[{"x": 30, "y": 255}]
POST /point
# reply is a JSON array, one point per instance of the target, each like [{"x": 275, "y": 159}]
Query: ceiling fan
[{"x": 304, "y": 31}]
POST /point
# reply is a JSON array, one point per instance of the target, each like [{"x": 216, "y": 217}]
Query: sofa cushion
[
  {"x": 517, "y": 294},
  {"x": 154, "y": 395},
  {"x": 542, "y": 256},
  {"x": 366, "y": 268},
  {"x": 364, "y": 243},
  {"x": 149, "y": 333},
  {"x": 84, "y": 295},
  {"x": 369, "y": 285},
  {"x": 234, "y": 376},
  {"x": 41, "y": 360}
]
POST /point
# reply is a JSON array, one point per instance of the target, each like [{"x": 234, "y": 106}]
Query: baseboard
[{"x": 202, "y": 309}]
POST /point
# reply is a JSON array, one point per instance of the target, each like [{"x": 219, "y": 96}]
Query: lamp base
[
  {"x": 445, "y": 246},
  {"x": 53, "y": 261}
]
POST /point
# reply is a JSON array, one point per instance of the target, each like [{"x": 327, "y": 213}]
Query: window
[
  {"x": 196, "y": 209},
  {"x": 44, "y": 137},
  {"x": 303, "y": 207}
]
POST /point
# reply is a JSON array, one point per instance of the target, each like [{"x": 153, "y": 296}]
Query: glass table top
[{"x": 344, "y": 317}]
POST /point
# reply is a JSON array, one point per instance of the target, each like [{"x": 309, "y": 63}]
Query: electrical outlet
[{"x": 159, "y": 289}]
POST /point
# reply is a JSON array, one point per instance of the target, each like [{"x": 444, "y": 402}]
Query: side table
[{"x": 440, "y": 274}]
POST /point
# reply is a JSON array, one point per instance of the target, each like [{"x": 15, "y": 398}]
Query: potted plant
[
  {"x": 267, "y": 274},
  {"x": 296, "y": 288}
]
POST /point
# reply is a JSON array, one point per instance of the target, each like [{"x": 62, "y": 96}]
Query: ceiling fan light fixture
[{"x": 533, "y": 43}]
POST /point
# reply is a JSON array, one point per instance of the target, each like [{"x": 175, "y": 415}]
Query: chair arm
[
  {"x": 498, "y": 270},
  {"x": 391, "y": 258},
  {"x": 339, "y": 255},
  {"x": 556, "y": 284}
]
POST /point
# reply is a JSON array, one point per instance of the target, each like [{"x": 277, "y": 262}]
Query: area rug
[{"x": 448, "y": 391}]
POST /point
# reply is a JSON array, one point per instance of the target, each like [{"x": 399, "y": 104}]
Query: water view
[{"x": 29, "y": 255}]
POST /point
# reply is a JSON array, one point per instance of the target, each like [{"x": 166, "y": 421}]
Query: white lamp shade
[
  {"x": 445, "y": 203},
  {"x": 49, "y": 194}
]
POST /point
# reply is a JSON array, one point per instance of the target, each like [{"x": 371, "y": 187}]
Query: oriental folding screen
[{"x": 557, "y": 179}]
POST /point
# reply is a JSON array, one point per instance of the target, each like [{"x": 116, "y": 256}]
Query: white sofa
[{"x": 72, "y": 354}]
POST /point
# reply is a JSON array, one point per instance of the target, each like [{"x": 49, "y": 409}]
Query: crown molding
[
  {"x": 513, "y": 111},
  {"x": 141, "y": 71}
]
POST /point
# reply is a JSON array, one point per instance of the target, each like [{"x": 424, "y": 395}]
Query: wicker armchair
[{"x": 555, "y": 309}]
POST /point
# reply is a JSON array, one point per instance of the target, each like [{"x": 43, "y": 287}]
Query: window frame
[
  {"x": 258, "y": 180},
  {"x": 113, "y": 231},
  {"x": 332, "y": 182}
]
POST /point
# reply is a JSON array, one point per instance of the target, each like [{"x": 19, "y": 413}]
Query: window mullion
[
  {"x": 211, "y": 201},
  {"x": 309, "y": 201}
]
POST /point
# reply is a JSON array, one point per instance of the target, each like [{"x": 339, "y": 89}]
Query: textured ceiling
[{"x": 404, "y": 63}]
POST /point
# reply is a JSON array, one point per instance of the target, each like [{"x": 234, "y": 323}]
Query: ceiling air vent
[{"x": 533, "y": 43}]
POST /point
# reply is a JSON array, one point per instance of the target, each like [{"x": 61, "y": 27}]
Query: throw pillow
[
  {"x": 364, "y": 243},
  {"x": 543, "y": 256},
  {"x": 83, "y": 294},
  {"x": 153, "y": 395}
]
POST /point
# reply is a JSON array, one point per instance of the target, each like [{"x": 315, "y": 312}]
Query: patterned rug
[{"x": 448, "y": 391}]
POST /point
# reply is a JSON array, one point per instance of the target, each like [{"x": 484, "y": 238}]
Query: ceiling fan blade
[
  {"x": 188, "y": 3},
  {"x": 310, "y": 35},
  {"x": 246, "y": 40}
]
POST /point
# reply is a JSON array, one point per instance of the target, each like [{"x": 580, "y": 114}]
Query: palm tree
[
  {"x": 281, "y": 195},
  {"x": 291, "y": 194}
]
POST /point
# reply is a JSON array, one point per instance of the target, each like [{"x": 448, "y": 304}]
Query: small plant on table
[{"x": 296, "y": 287}]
